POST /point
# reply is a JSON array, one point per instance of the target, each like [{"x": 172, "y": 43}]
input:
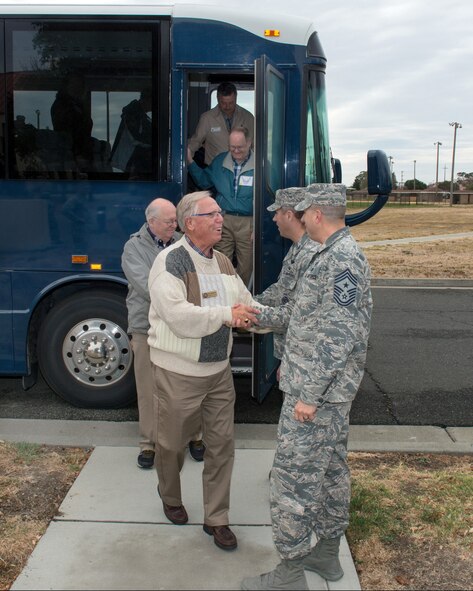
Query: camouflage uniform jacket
[
  {"x": 294, "y": 265},
  {"x": 328, "y": 324}
]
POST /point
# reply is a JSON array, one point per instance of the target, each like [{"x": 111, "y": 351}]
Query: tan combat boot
[
  {"x": 287, "y": 576},
  {"x": 323, "y": 559}
]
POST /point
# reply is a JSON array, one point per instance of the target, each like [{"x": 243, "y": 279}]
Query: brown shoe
[
  {"x": 177, "y": 515},
  {"x": 224, "y": 538}
]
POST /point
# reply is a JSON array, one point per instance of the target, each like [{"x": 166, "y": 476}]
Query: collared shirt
[
  {"x": 197, "y": 249},
  {"x": 237, "y": 167},
  {"x": 158, "y": 241}
]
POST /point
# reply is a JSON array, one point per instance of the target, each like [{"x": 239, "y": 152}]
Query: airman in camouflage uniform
[
  {"x": 328, "y": 326},
  {"x": 297, "y": 259}
]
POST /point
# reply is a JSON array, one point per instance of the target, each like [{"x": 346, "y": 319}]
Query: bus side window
[
  {"x": 2, "y": 137},
  {"x": 68, "y": 89},
  {"x": 72, "y": 122},
  {"x": 132, "y": 148},
  {"x": 3, "y": 81}
]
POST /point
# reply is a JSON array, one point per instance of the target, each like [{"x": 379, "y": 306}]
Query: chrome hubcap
[{"x": 97, "y": 352}]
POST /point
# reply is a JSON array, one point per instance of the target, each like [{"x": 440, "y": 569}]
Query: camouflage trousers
[{"x": 310, "y": 478}]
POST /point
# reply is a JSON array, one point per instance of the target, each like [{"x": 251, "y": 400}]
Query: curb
[
  {"x": 429, "y": 283},
  {"x": 367, "y": 438}
]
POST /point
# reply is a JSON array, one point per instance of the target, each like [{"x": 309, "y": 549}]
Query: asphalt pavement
[{"x": 111, "y": 533}]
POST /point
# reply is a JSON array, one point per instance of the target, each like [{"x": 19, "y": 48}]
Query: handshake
[{"x": 244, "y": 316}]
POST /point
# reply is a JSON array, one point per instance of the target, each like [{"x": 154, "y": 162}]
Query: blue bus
[{"x": 67, "y": 206}]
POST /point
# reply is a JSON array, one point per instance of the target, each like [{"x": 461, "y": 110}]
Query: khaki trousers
[
  {"x": 237, "y": 240},
  {"x": 145, "y": 390},
  {"x": 187, "y": 403}
]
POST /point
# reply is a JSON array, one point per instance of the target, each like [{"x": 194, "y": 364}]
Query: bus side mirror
[
  {"x": 380, "y": 180},
  {"x": 337, "y": 170},
  {"x": 379, "y": 183}
]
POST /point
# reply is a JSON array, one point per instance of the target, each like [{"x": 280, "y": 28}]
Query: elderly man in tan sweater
[{"x": 196, "y": 297}]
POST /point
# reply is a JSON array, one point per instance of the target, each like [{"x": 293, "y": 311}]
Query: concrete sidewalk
[
  {"x": 432, "y": 238},
  {"x": 111, "y": 532}
]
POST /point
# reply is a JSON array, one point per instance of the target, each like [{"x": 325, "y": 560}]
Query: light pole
[
  {"x": 437, "y": 168},
  {"x": 402, "y": 179},
  {"x": 455, "y": 126},
  {"x": 391, "y": 166},
  {"x": 38, "y": 112},
  {"x": 414, "y": 175}
]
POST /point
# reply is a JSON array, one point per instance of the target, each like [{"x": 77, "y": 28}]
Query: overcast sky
[{"x": 398, "y": 73}]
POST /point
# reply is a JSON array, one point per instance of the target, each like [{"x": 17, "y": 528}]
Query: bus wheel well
[
  {"x": 57, "y": 295},
  {"x": 83, "y": 350}
]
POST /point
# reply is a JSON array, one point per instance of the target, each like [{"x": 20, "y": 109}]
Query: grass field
[
  {"x": 411, "y": 521},
  {"x": 442, "y": 259}
]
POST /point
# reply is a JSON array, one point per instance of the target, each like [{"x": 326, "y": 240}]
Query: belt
[{"x": 242, "y": 215}]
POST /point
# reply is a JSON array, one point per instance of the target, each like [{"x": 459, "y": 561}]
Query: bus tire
[{"x": 84, "y": 352}]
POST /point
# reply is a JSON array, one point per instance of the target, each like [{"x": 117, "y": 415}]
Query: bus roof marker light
[
  {"x": 79, "y": 259},
  {"x": 95, "y": 266},
  {"x": 272, "y": 33}
]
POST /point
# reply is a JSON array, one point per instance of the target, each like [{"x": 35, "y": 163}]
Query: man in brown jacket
[{"x": 214, "y": 126}]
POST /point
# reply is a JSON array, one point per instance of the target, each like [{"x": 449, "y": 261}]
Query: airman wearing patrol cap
[
  {"x": 324, "y": 194},
  {"x": 328, "y": 323},
  {"x": 297, "y": 259},
  {"x": 288, "y": 198}
]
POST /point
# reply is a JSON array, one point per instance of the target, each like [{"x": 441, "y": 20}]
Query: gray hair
[
  {"x": 187, "y": 207},
  {"x": 334, "y": 212},
  {"x": 152, "y": 211},
  {"x": 244, "y": 130}
]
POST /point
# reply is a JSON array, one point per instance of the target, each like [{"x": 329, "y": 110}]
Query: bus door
[{"x": 270, "y": 101}]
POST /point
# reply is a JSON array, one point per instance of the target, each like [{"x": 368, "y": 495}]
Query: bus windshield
[{"x": 317, "y": 163}]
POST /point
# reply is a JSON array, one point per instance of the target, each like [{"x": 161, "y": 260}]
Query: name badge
[
  {"x": 215, "y": 129},
  {"x": 209, "y": 294},
  {"x": 246, "y": 181}
]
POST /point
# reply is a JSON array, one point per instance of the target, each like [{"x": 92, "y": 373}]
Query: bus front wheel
[{"x": 84, "y": 352}]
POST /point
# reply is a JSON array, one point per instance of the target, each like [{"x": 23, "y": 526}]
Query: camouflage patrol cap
[
  {"x": 289, "y": 198},
  {"x": 323, "y": 194}
]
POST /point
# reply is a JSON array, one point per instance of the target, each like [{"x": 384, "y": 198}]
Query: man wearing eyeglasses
[
  {"x": 231, "y": 173},
  {"x": 158, "y": 232},
  {"x": 196, "y": 299}
]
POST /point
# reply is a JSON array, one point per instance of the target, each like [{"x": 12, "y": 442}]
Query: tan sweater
[{"x": 191, "y": 299}]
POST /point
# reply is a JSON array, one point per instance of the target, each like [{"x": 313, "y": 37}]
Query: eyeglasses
[
  {"x": 208, "y": 214},
  {"x": 167, "y": 223}
]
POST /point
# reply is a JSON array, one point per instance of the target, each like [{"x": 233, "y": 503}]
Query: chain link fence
[{"x": 361, "y": 199}]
